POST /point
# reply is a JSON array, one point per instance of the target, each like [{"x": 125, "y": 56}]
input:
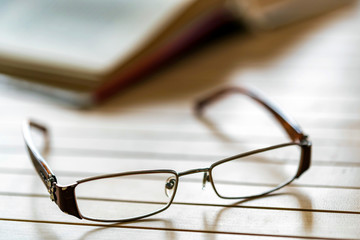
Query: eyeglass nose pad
[
  {"x": 206, "y": 178},
  {"x": 170, "y": 186}
]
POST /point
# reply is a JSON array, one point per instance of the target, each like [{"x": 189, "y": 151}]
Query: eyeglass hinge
[
  {"x": 305, "y": 139},
  {"x": 51, "y": 182}
]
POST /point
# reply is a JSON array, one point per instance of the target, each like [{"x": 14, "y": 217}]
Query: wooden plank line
[
  {"x": 174, "y": 229},
  {"x": 191, "y": 137},
  {"x": 189, "y": 179},
  {"x": 119, "y": 154},
  {"x": 34, "y": 195}
]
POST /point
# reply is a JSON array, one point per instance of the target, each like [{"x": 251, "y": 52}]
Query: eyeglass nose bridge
[{"x": 206, "y": 177}]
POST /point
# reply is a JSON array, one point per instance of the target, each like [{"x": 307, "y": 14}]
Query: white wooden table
[{"x": 311, "y": 69}]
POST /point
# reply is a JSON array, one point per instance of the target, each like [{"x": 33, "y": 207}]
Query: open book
[{"x": 86, "y": 50}]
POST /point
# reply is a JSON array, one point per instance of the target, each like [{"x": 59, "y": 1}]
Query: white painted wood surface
[{"x": 311, "y": 69}]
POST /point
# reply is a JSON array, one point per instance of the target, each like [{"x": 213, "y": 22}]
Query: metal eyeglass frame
[{"x": 64, "y": 196}]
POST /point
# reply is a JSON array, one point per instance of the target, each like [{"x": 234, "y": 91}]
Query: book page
[{"x": 84, "y": 35}]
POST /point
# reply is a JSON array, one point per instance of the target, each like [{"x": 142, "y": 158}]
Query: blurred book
[{"x": 86, "y": 50}]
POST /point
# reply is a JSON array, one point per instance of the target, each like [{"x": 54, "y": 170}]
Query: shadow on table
[
  {"x": 167, "y": 226},
  {"x": 304, "y": 205},
  {"x": 210, "y": 229}
]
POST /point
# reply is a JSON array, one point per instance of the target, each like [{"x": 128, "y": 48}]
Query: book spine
[{"x": 187, "y": 38}]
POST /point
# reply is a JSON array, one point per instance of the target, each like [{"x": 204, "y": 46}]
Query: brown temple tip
[
  {"x": 38, "y": 126},
  {"x": 207, "y": 100},
  {"x": 45, "y": 132},
  {"x": 199, "y": 107}
]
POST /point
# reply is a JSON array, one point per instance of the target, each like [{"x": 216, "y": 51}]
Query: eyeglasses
[{"x": 133, "y": 195}]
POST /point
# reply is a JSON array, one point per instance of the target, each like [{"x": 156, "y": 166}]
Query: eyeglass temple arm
[
  {"x": 64, "y": 197},
  {"x": 291, "y": 127},
  {"x": 42, "y": 168}
]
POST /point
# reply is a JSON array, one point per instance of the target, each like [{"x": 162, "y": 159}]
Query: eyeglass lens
[
  {"x": 125, "y": 197},
  {"x": 256, "y": 173}
]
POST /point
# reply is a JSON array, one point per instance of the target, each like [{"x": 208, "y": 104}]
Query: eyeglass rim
[
  {"x": 304, "y": 159},
  {"x": 122, "y": 174}
]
